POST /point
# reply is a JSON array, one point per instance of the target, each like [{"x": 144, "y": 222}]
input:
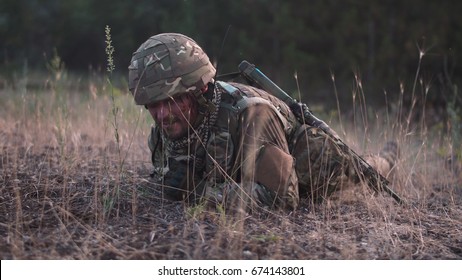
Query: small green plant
[
  {"x": 56, "y": 67},
  {"x": 266, "y": 237},
  {"x": 221, "y": 212},
  {"x": 195, "y": 211}
]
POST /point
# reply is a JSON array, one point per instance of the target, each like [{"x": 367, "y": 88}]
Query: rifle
[{"x": 374, "y": 180}]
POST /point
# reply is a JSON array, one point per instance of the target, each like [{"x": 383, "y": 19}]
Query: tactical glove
[{"x": 181, "y": 182}]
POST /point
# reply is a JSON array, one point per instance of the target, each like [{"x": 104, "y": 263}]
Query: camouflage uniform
[{"x": 247, "y": 147}]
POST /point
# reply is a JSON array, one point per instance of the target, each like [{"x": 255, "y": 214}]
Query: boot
[{"x": 386, "y": 160}]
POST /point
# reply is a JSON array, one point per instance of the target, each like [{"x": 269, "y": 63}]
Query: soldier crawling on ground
[{"x": 232, "y": 143}]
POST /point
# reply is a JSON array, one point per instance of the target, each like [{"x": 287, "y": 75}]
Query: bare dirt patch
[{"x": 76, "y": 204}]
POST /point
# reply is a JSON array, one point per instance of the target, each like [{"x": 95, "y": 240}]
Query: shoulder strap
[
  {"x": 227, "y": 87},
  {"x": 244, "y": 96}
]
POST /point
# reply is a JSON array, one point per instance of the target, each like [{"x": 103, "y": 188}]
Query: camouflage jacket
[{"x": 204, "y": 164}]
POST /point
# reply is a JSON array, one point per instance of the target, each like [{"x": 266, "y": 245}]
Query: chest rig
[{"x": 235, "y": 98}]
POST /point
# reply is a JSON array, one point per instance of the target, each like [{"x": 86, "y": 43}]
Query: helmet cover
[{"x": 165, "y": 65}]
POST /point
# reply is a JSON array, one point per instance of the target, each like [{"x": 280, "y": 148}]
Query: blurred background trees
[{"x": 379, "y": 42}]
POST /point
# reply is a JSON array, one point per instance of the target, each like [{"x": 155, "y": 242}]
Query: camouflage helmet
[{"x": 165, "y": 65}]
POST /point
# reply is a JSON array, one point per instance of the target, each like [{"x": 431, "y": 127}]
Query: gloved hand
[
  {"x": 299, "y": 110},
  {"x": 180, "y": 182}
]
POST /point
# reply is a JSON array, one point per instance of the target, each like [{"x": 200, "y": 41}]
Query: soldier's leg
[
  {"x": 321, "y": 166},
  {"x": 385, "y": 161}
]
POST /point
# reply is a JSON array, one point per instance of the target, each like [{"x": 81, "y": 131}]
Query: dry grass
[{"x": 65, "y": 195}]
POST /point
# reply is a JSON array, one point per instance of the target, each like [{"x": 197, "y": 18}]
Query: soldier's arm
[{"x": 178, "y": 176}]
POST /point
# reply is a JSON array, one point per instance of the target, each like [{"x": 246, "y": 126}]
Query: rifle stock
[{"x": 373, "y": 178}]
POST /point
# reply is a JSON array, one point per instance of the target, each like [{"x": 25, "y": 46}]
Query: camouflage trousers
[{"x": 323, "y": 167}]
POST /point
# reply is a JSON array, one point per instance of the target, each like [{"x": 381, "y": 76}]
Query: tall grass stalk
[
  {"x": 115, "y": 110},
  {"x": 110, "y": 200},
  {"x": 413, "y": 97},
  {"x": 57, "y": 70},
  {"x": 359, "y": 91},
  {"x": 339, "y": 112}
]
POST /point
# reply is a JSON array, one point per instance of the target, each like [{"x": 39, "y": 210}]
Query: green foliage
[
  {"x": 267, "y": 238},
  {"x": 195, "y": 211},
  {"x": 313, "y": 38},
  {"x": 455, "y": 122}
]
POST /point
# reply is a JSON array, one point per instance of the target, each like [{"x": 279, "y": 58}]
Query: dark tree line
[{"x": 379, "y": 41}]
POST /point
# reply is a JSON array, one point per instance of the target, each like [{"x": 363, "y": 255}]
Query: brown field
[{"x": 72, "y": 189}]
